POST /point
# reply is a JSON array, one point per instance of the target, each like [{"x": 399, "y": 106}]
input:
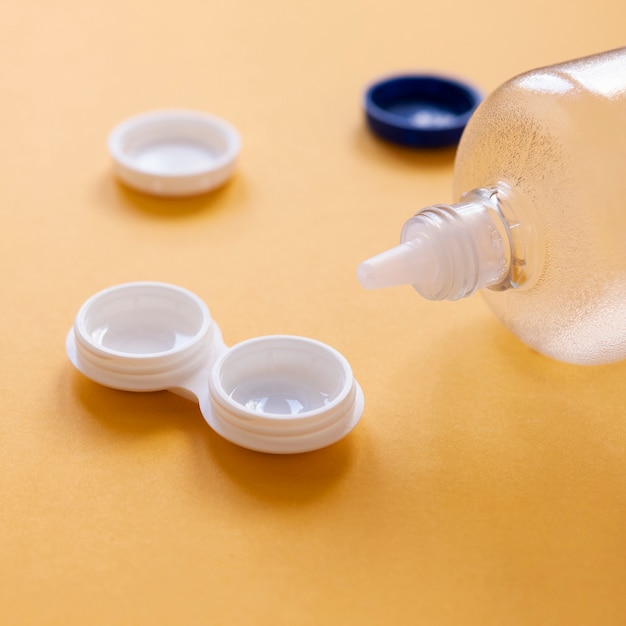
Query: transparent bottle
[{"x": 540, "y": 222}]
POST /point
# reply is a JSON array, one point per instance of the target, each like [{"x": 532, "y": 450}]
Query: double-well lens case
[{"x": 279, "y": 393}]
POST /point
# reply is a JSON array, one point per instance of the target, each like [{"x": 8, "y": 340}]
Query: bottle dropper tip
[
  {"x": 390, "y": 268},
  {"x": 366, "y": 275}
]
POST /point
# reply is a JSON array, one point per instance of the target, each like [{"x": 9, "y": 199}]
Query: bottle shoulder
[
  {"x": 594, "y": 85},
  {"x": 601, "y": 76},
  {"x": 556, "y": 122}
]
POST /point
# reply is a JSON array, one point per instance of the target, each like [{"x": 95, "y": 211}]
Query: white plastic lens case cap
[
  {"x": 279, "y": 393},
  {"x": 174, "y": 152}
]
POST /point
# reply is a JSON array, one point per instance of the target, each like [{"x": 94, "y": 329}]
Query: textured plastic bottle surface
[{"x": 557, "y": 136}]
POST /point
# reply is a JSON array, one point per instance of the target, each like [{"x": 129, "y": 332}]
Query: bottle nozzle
[
  {"x": 406, "y": 264},
  {"x": 447, "y": 252}
]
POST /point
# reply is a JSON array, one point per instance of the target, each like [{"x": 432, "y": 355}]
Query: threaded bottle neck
[
  {"x": 470, "y": 251},
  {"x": 447, "y": 252}
]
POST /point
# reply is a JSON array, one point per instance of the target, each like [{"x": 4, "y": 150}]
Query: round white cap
[{"x": 174, "y": 152}]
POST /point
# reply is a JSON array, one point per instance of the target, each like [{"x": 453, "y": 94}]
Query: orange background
[{"x": 485, "y": 483}]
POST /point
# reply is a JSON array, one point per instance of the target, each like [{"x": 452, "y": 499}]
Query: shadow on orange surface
[
  {"x": 390, "y": 155},
  {"x": 277, "y": 479}
]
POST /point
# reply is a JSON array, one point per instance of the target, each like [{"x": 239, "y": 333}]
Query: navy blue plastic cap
[{"x": 420, "y": 111}]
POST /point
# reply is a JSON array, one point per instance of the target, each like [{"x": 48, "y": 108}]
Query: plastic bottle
[{"x": 540, "y": 225}]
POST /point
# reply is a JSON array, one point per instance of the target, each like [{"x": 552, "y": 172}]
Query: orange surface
[{"x": 484, "y": 485}]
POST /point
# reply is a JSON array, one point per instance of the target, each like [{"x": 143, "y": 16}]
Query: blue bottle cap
[{"x": 420, "y": 110}]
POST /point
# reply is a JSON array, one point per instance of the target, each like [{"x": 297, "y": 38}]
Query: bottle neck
[{"x": 448, "y": 252}]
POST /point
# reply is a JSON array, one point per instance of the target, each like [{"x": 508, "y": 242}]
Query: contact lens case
[{"x": 278, "y": 393}]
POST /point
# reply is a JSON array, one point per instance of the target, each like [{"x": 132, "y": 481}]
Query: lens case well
[{"x": 279, "y": 394}]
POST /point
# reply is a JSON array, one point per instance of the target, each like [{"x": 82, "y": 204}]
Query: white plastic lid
[
  {"x": 279, "y": 394},
  {"x": 174, "y": 152}
]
